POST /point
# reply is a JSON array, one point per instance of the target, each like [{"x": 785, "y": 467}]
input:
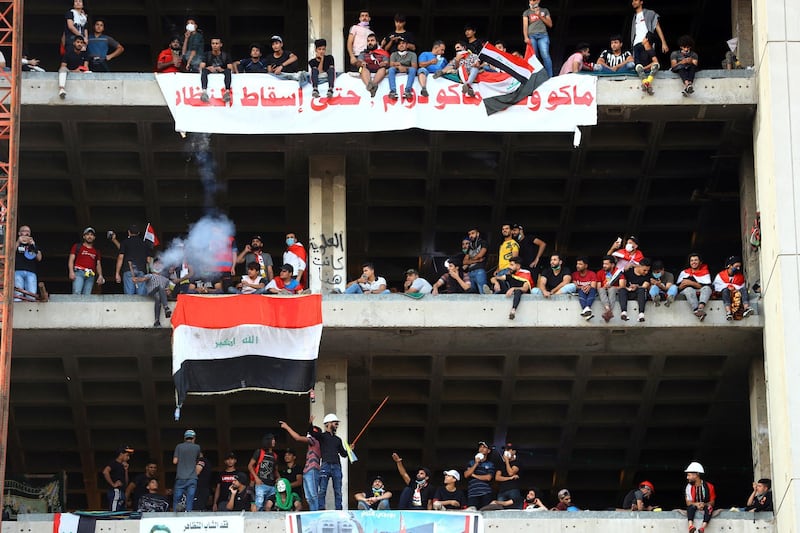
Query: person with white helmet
[
  {"x": 332, "y": 448},
  {"x": 700, "y": 496}
]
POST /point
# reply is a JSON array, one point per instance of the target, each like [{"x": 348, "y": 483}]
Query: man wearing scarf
[
  {"x": 730, "y": 283},
  {"x": 295, "y": 255},
  {"x": 695, "y": 285},
  {"x": 284, "y": 499},
  {"x": 700, "y": 496}
]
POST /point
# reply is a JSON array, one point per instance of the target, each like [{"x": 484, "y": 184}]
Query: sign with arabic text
[
  {"x": 262, "y": 103},
  {"x": 385, "y": 521},
  {"x": 192, "y": 524}
]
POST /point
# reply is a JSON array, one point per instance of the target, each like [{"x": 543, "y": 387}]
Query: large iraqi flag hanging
[{"x": 223, "y": 344}]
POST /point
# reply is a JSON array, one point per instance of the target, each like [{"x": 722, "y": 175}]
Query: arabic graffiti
[{"x": 328, "y": 259}]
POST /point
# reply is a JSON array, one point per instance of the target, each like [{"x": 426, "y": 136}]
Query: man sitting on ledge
[{"x": 368, "y": 283}]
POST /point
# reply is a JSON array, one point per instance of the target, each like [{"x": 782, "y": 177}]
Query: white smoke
[{"x": 209, "y": 239}]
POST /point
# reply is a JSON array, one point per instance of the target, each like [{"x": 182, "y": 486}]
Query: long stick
[
  {"x": 133, "y": 275},
  {"x": 352, "y": 444}
]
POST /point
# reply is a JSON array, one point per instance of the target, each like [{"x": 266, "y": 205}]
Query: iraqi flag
[
  {"x": 73, "y": 523},
  {"x": 527, "y": 71},
  {"x": 150, "y": 235},
  {"x": 223, "y": 344}
]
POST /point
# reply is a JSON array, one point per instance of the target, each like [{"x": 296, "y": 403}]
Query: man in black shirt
[
  {"x": 284, "y": 64},
  {"x": 475, "y": 262},
  {"x": 555, "y": 280},
  {"x": 74, "y": 60},
  {"x": 238, "y": 497},
  {"x": 152, "y": 501},
  {"x": 636, "y": 284},
  {"x": 134, "y": 255},
  {"x": 255, "y": 64},
  {"x": 332, "y": 448},
  {"x": 216, "y": 62},
  {"x": 508, "y": 492},
  {"x": 138, "y": 487},
  {"x": 116, "y": 475}
]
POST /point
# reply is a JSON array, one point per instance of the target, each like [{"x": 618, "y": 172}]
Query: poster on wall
[
  {"x": 384, "y": 521},
  {"x": 193, "y": 524},
  {"x": 33, "y": 494}
]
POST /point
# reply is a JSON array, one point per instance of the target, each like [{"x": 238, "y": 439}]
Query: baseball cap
[
  {"x": 483, "y": 443},
  {"x": 412, "y": 271},
  {"x": 276, "y": 38},
  {"x": 257, "y": 238},
  {"x": 563, "y": 493},
  {"x": 242, "y": 478},
  {"x": 231, "y": 455},
  {"x": 89, "y": 229},
  {"x": 634, "y": 239},
  {"x": 133, "y": 228},
  {"x": 124, "y": 449},
  {"x": 453, "y": 473},
  {"x": 377, "y": 478},
  {"x": 510, "y": 446},
  {"x": 189, "y": 434}
]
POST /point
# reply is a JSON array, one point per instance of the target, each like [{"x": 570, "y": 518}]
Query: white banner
[
  {"x": 262, "y": 103},
  {"x": 189, "y": 523}
]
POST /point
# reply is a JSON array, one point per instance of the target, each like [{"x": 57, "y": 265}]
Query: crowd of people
[
  {"x": 274, "y": 480},
  {"x": 374, "y": 59}
]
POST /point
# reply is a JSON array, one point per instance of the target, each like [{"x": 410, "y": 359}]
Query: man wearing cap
[
  {"x": 185, "y": 457},
  {"x": 116, "y": 475},
  {"x": 283, "y": 64},
  {"x": 480, "y": 473},
  {"x": 700, "y": 496},
  {"x": 322, "y": 68},
  {"x": 224, "y": 481},
  {"x": 312, "y": 465},
  {"x": 639, "y": 499},
  {"x": 418, "y": 493},
  {"x": 415, "y": 284},
  {"x": 263, "y": 468},
  {"x": 84, "y": 264},
  {"x": 28, "y": 257},
  {"x": 284, "y": 283},
  {"x": 331, "y": 449},
  {"x": 135, "y": 255},
  {"x": 374, "y": 498},
  {"x": 238, "y": 497},
  {"x": 508, "y": 489},
  {"x": 564, "y": 501},
  {"x": 730, "y": 283},
  {"x": 402, "y": 61},
  {"x": 448, "y": 497},
  {"x": 216, "y": 61}
]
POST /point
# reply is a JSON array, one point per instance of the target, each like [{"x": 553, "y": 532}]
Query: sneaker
[
  {"x": 204, "y": 97},
  {"x": 470, "y": 91},
  {"x": 464, "y": 88},
  {"x": 512, "y": 315},
  {"x": 700, "y": 313},
  {"x": 62, "y": 93},
  {"x": 487, "y": 290},
  {"x": 586, "y": 312},
  {"x": 640, "y": 71},
  {"x": 685, "y": 91},
  {"x": 226, "y": 96},
  {"x": 729, "y": 317},
  {"x": 167, "y": 312},
  {"x": 669, "y": 301},
  {"x": 657, "y": 300},
  {"x": 393, "y": 95},
  {"x": 589, "y": 316},
  {"x": 641, "y": 317},
  {"x": 649, "y": 86},
  {"x": 330, "y": 93},
  {"x": 438, "y": 74},
  {"x": 407, "y": 95},
  {"x": 690, "y": 88},
  {"x": 315, "y": 93},
  {"x": 624, "y": 316},
  {"x": 747, "y": 312},
  {"x": 608, "y": 315},
  {"x": 305, "y": 291},
  {"x": 654, "y": 70},
  {"x": 691, "y": 528},
  {"x": 157, "y": 324},
  {"x": 424, "y": 92}
]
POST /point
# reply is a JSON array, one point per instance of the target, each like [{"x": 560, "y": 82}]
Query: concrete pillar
[
  {"x": 331, "y": 397},
  {"x": 759, "y": 423},
  {"x": 777, "y": 152},
  {"x": 327, "y": 223},
  {"x": 742, "y": 24},
  {"x": 326, "y": 21},
  {"x": 748, "y": 210}
]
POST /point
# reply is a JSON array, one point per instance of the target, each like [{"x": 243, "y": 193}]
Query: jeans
[
  {"x": 511, "y": 495},
  {"x": 355, "y": 288},
  {"x": 478, "y": 279},
  {"x": 727, "y": 296},
  {"x": 412, "y": 74},
  {"x": 629, "y": 66},
  {"x": 263, "y": 493},
  {"x": 82, "y": 284},
  {"x": 473, "y": 73},
  {"x": 187, "y": 486},
  {"x": 116, "y": 499},
  {"x": 129, "y": 287},
  {"x": 383, "y": 505},
  {"x": 569, "y": 288},
  {"x": 692, "y": 510},
  {"x": 311, "y": 488},
  {"x": 587, "y": 298},
  {"x": 641, "y": 298},
  {"x": 329, "y": 76},
  {"x": 334, "y": 473},
  {"x": 541, "y": 42},
  {"x": 655, "y": 291},
  {"x": 690, "y": 293},
  {"x": 204, "y": 78},
  {"x": 26, "y": 280}
]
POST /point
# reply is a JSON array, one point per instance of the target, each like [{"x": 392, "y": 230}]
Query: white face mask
[
  {"x": 404, "y": 52},
  {"x": 191, "y": 27},
  {"x": 629, "y": 247}
]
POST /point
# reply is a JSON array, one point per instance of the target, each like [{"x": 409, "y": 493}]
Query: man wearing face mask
[
  {"x": 357, "y": 39},
  {"x": 193, "y": 46},
  {"x": 662, "y": 285},
  {"x": 626, "y": 257},
  {"x": 295, "y": 255},
  {"x": 555, "y": 280},
  {"x": 254, "y": 253},
  {"x": 418, "y": 494},
  {"x": 531, "y": 248},
  {"x": 730, "y": 283},
  {"x": 170, "y": 58}
]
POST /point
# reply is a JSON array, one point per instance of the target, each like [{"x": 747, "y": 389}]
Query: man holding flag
[
  {"x": 528, "y": 72},
  {"x": 134, "y": 257}
]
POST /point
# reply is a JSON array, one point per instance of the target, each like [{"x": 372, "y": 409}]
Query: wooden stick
[
  {"x": 352, "y": 444},
  {"x": 133, "y": 275}
]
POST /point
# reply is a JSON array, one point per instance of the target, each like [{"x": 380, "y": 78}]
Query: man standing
[
  {"x": 645, "y": 20},
  {"x": 555, "y": 280},
  {"x": 295, "y": 255},
  {"x": 134, "y": 256},
  {"x": 116, "y": 475},
  {"x": 170, "y": 59},
  {"x": 391, "y": 42},
  {"x": 84, "y": 266},
  {"x": 263, "y": 468},
  {"x": 357, "y": 39},
  {"x": 531, "y": 248},
  {"x": 254, "y": 253},
  {"x": 508, "y": 248},
  {"x": 139, "y": 486},
  {"x": 331, "y": 448},
  {"x": 480, "y": 473},
  {"x": 99, "y": 46},
  {"x": 28, "y": 257},
  {"x": 694, "y": 283},
  {"x": 475, "y": 262},
  {"x": 508, "y": 491},
  {"x": 216, "y": 62},
  {"x": 312, "y": 465},
  {"x": 403, "y": 61},
  {"x": 185, "y": 457}
]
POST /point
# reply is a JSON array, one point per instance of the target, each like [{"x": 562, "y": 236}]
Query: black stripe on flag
[{"x": 245, "y": 372}]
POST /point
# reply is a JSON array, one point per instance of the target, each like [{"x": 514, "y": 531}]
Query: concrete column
[
  {"x": 331, "y": 395},
  {"x": 327, "y": 223},
  {"x": 742, "y": 24},
  {"x": 748, "y": 210},
  {"x": 759, "y": 423},
  {"x": 326, "y": 21},
  {"x": 777, "y": 153}
]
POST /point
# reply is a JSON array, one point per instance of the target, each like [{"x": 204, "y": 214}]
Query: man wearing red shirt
[
  {"x": 84, "y": 264},
  {"x": 169, "y": 60},
  {"x": 586, "y": 281}
]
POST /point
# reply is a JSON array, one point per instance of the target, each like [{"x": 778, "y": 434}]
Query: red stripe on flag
[{"x": 230, "y": 311}]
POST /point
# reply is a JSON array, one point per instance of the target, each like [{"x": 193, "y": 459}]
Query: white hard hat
[
  {"x": 330, "y": 417},
  {"x": 696, "y": 467}
]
